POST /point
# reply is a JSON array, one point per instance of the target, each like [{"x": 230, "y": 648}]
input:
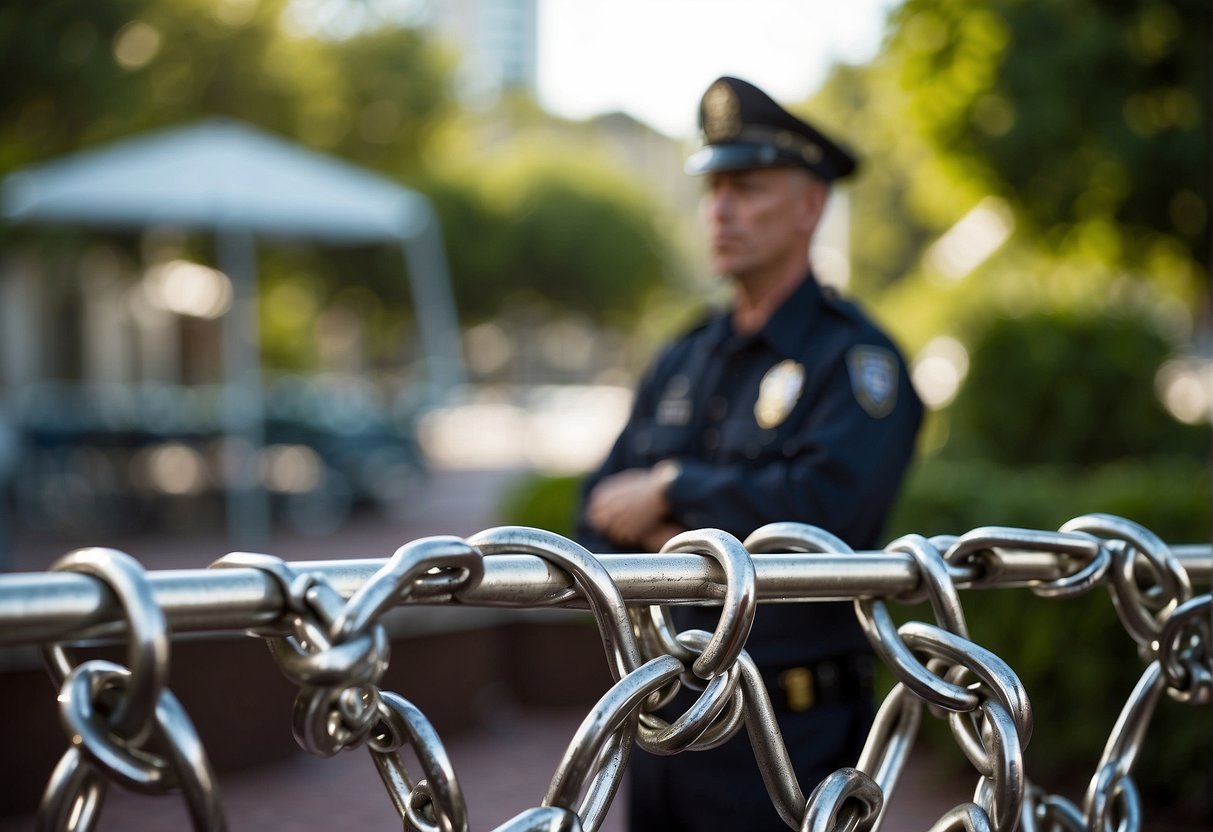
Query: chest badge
[
  {"x": 778, "y": 393},
  {"x": 873, "y": 379},
  {"x": 675, "y": 406}
]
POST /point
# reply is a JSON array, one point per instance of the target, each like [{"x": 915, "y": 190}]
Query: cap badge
[
  {"x": 873, "y": 373},
  {"x": 778, "y": 393},
  {"x": 721, "y": 112}
]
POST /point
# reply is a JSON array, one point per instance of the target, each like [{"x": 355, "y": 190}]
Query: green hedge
[
  {"x": 543, "y": 502},
  {"x": 1170, "y": 496},
  {"x": 1067, "y": 387}
]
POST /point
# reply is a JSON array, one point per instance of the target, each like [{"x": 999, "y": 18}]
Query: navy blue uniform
[{"x": 811, "y": 419}]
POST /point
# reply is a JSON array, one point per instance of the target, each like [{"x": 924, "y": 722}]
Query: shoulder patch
[{"x": 873, "y": 373}]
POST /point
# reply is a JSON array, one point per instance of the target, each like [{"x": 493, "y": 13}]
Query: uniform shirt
[{"x": 811, "y": 419}]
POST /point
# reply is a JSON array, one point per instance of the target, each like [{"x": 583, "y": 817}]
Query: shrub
[
  {"x": 543, "y": 502},
  {"x": 1066, "y": 387},
  {"x": 1170, "y": 496}
]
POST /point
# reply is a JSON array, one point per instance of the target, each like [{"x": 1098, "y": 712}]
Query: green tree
[
  {"x": 901, "y": 199},
  {"x": 80, "y": 74},
  {"x": 562, "y": 226},
  {"x": 61, "y": 77},
  {"x": 391, "y": 91},
  {"x": 1087, "y": 116}
]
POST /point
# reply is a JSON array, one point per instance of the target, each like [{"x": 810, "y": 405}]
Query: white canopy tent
[{"x": 240, "y": 183}]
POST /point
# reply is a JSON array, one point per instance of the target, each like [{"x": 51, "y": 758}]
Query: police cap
[{"x": 743, "y": 128}]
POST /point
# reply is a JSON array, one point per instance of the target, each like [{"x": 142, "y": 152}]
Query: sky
[{"x": 654, "y": 58}]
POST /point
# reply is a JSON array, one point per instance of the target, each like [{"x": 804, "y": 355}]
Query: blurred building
[{"x": 498, "y": 41}]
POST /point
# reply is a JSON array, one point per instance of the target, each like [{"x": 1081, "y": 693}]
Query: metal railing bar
[{"x": 37, "y": 607}]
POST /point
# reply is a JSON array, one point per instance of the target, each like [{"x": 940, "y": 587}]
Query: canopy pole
[
  {"x": 434, "y": 305},
  {"x": 248, "y": 516}
]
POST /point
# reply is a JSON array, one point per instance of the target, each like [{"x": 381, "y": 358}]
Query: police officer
[{"x": 789, "y": 405}]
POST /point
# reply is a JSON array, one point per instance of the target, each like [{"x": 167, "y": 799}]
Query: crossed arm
[
  {"x": 841, "y": 472},
  {"x": 630, "y": 508}
]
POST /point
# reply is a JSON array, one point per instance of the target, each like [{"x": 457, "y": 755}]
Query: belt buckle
[{"x": 797, "y": 684}]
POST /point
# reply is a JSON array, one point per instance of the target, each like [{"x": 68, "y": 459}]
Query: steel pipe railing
[{"x": 37, "y": 607}]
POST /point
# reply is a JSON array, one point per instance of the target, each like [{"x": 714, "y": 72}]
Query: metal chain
[
  {"x": 715, "y": 716},
  {"x": 321, "y": 622},
  {"x": 123, "y": 722},
  {"x": 846, "y": 801},
  {"x": 338, "y": 653},
  {"x": 587, "y": 574},
  {"x": 1172, "y": 630},
  {"x": 1141, "y": 612}
]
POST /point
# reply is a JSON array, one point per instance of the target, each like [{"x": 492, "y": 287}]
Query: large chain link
[
  {"x": 123, "y": 722},
  {"x": 336, "y": 650}
]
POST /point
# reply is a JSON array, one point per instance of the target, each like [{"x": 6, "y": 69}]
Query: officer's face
[{"x": 761, "y": 220}]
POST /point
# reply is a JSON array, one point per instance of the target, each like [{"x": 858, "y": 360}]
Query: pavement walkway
[{"x": 504, "y": 766}]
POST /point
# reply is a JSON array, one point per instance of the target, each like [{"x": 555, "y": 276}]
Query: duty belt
[{"x": 827, "y": 682}]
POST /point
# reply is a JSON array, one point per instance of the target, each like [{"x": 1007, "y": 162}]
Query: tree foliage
[
  {"x": 557, "y": 225},
  {"x": 901, "y": 200},
  {"x": 80, "y": 74},
  {"x": 1089, "y": 117}
]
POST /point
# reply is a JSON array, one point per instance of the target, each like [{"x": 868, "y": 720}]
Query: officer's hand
[{"x": 628, "y": 506}]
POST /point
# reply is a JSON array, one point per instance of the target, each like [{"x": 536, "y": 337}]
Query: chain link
[
  {"x": 123, "y": 722},
  {"x": 1186, "y": 651},
  {"x": 324, "y": 631},
  {"x": 891, "y": 739},
  {"x": 1141, "y": 612},
  {"x": 339, "y": 651},
  {"x": 435, "y": 803},
  {"x": 1044, "y": 812},
  {"x": 607, "y": 725},
  {"x": 846, "y": 801},
  {"x": 147, "y": 638},
  {"x": 715, "y": 716}
]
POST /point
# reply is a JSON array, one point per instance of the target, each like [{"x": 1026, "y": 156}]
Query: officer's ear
[{"x": 814, "y": 192}]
